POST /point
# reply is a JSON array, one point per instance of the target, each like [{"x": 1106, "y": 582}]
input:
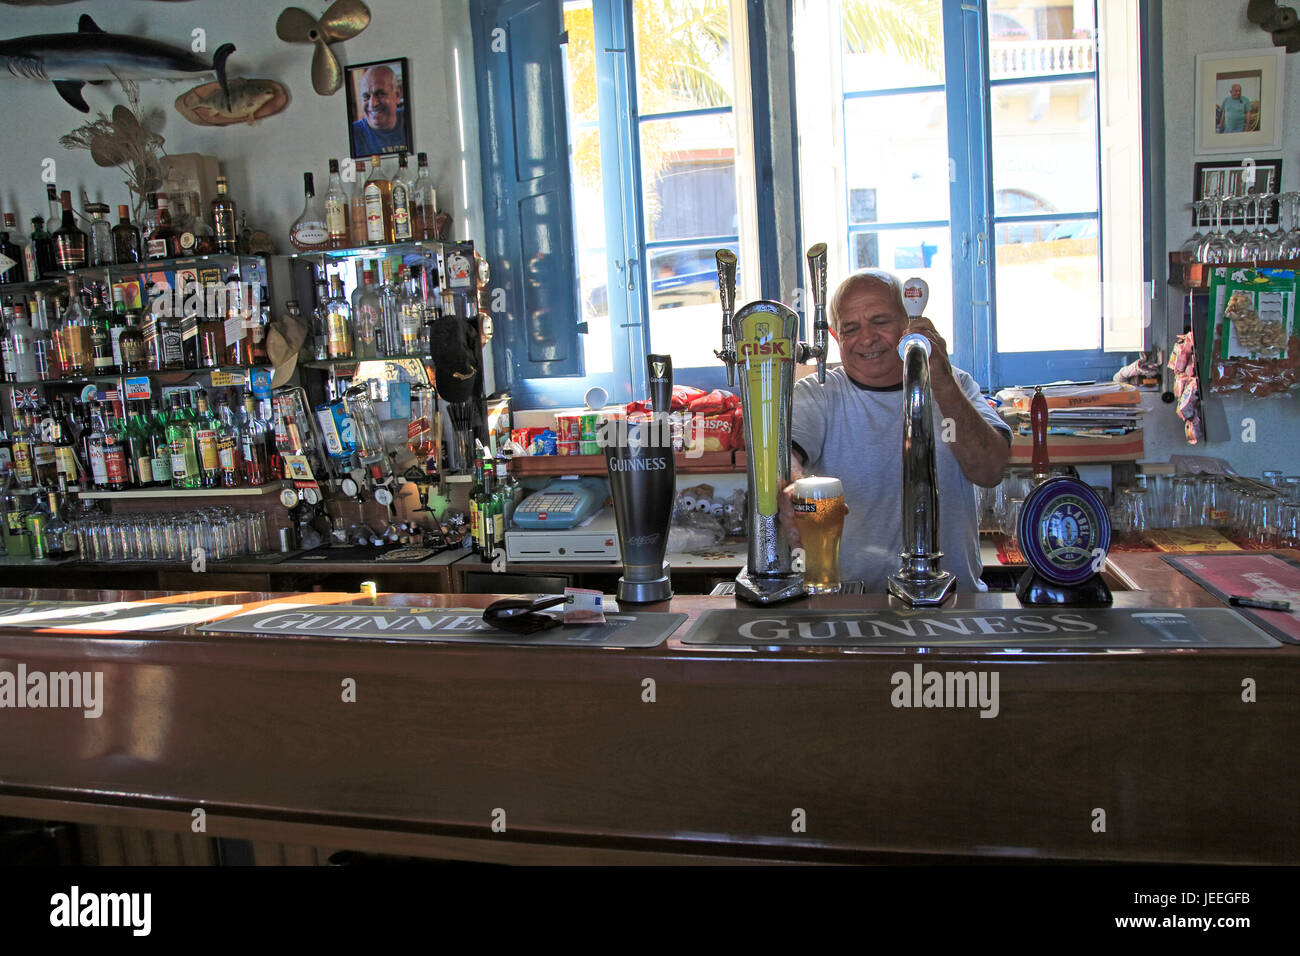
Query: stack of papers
[{"x": 1095, "y": 410}]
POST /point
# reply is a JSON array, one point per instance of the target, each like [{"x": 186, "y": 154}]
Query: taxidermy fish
[
  {"x": 206, "y": 105},
  {"x": 71, "y": 60}
]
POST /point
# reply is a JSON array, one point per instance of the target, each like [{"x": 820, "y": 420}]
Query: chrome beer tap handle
[
  {"x": 727, "y": 295},
  {"x": 817, "y": 277}
]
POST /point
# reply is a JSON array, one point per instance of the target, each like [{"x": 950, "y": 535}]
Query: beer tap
[
  {"x": 919, "y": 580},
  {"x": 727, "y": 295},
  {"x": 817, "y": 276}
]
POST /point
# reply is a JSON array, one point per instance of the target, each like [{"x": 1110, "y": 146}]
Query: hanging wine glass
[
  {"x": 1271, "y": 245},
  {"x": 1192, "y": 246},
  {"x": 1232, "y": 236},
  {"x": 1252, "y": 236},
  {"x": 1216, "y": 248},
  {"x": 1291, "y": 240}
]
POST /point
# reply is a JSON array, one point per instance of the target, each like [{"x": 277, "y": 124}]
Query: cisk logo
[{"x": 777, "y": 348}]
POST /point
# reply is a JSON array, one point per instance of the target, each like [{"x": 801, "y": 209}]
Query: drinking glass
[
  {"x": 1289, "y": 525},
  {"x": 1191, "y": 248},
  {"x": 1185, "y": 505},
  {"x": 1213, "y": 492},
  {"x": 1011, "y": 520}
]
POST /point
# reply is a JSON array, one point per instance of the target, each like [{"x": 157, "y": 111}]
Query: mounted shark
[{"x": 71, "y": 60}]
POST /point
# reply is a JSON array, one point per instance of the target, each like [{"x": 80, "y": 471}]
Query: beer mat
[
  {"x": 408, "y": 554},
  {"x": 462, "y": 625},
  {"x": 1249, "y": 574},
  {"x": 1008, "y": 553},
  {"x": 1184, "y": 540},
  {"x": 1029, "y": 628},
  {"x": 728, "y": 588},
  {"x": 94, "y": 617}
]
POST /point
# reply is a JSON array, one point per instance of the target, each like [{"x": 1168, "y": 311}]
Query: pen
[{"x": 1241, "y": 600}]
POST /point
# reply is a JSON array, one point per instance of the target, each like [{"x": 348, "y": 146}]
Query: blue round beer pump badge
[{"x": 1063, "y": 528}]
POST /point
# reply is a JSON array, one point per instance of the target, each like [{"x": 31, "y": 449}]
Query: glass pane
[
  {"x": 688, "y": 177},
  {"x": 1048, "y": 286},
  {"x": 683, "y": 54},
  {"x": 685, "y": 317},
  {"x": 585, "y": 172},
  {"x": 1034, "y": 39},
  {"x": 897, "y": 153},
  {"x": 889, "y": 45},
  {"x": 924, "y": 253},
  {"x": 1045, "y": 147}
]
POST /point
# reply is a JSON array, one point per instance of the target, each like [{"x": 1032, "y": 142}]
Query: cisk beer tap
[{"x": 764, "y": 339}]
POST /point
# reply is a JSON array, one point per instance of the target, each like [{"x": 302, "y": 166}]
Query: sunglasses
[{"x": 521, "y": 615}]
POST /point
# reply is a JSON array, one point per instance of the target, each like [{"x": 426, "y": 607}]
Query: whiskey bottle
[
  {"x": 357, "y": 207},
  {"x": 69, "y": 241},
  {"x": 338, "y": 318},
  {"x": 164, "y": 242},
  {"x": 223, "y": 219},
  {"x": 401, "y": 199},
  {"x": 424, "y": 203},
  {"x": 205, "y": 440},
  {"x": 379, "y": 207},
  {"x": 336, "y": 209},
  {"x": 126, "y": 238}
]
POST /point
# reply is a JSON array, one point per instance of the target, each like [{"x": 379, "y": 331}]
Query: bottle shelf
[
  {"x": 385, "y": 251},
  {"x": 127, "y": 269},
  {"x": 151, "y": 373},
  {"x": 270, "y": 488},
  {"x": 333, "y": 363},
  {"x": 707, "y": 462}
]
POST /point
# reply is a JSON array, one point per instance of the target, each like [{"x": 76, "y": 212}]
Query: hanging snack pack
[{"x": 1254, "y": 341}]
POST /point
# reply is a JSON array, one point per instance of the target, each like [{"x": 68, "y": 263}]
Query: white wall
[
  {"x": 1212, "y": 26},
  {"x": 264, "y": 162}
]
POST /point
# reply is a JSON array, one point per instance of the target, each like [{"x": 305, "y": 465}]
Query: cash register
[{"x": 566, "y": 520}]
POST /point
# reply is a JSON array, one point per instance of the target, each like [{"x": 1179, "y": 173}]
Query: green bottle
[
  {"x": 180, "y": 437},
  {"x": 17, "y": 540},
  {"x": 137, "y": 440},
  {"x": 160, "y": 451}
]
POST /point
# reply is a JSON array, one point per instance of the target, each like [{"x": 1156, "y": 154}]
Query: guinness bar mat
[
  {"x": 90, "y": 617},
  {"x": 463, "y": 625},
  {"x": 1256, "y": 574},
  {"x": 1037, "y": 628}
]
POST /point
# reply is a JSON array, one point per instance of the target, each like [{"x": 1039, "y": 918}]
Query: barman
[{"x": 851, "y": 428}]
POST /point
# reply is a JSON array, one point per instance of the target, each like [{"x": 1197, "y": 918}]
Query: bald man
[
  {"x": 851, "y": 428},
  {"x": 382, "y": 127}
]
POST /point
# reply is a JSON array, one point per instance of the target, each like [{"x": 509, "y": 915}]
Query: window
[
  {"x": 653, "y": 141},
  {"x": 967, "y": 147}
]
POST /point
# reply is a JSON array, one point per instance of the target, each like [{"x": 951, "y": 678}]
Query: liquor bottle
[
  {"x": 94, "y": 440},
  {"x": 53, "y": 203},
  {"x": 148, "y": 224},
  {"x": 379, "y": 206},
  {"x": 20, "y": 358},
  {"x": 101, "y": 236},
  {"x": 223, "y": 219},
  {"x": 24, "y": 470},
  {"x": 41, "y": 264},
  {"x": 117, "y": 451},
  {"x": 131, "y": 353},
  {"x": 43, "y": 462},
  {"x": 180, "y": 436},
  {"x": 366, "y": 318},
  {"x": 338, "y": 318},
  {"x": 336, "y": 209},
  {"x": 12, "y": 268},
  {"x": 508, "y": 493},
  {"x": 65, "y": 452},
  {"x": 101, "y": 340},
  {"x": 17, "y": 539},
  {"x": 60, "y": 535},
  {"x": 309, "y": 232},
  {"x": 424, "y": 202},
  {"x": 160, "y": 450},
  {"x": 70, "y": 245},
  {"x": 230, "y": 453},
  {"x": 197, "y": 238},
  {"x": 475, "y": 514},
  {"x": 390, "y": 310},
  {"x": 126, "y": 238},
  {"x": 169, "y": 342},
  {"x": 320, "y": 326},
  {"x": 357, "y": 207},
  {"x": 256, "y": 444},
  {"x": 411, "y": 320},
  {"x": 257, "y": 332},
  {"x": 139, "y": 453},
  {"x": 401, "y": 199},
  {"x": 164, "y": 241},
  {"x": 76, "y": 355},
  {"x": 206, "y": 428}
]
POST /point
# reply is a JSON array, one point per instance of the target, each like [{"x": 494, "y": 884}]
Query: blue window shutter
[{"x": 527, "y": 192}]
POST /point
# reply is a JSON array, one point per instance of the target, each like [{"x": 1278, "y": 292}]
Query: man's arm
[{"x": 981, "y": 451}]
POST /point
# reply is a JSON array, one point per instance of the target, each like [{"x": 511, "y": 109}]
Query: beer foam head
[{"x": 818, "y": 489}]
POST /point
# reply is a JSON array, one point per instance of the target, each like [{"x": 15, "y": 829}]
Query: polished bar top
[{"x": 675, "y": 752}]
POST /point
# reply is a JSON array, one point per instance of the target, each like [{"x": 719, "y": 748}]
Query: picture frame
[
  {"x": 1226, "y": 177},
  {"x": 379, "y": 108},
  {"x": 1239, "y": 101}
]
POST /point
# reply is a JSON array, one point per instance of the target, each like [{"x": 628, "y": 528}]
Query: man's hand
[
  {"x": 785, "y": 516},
  {"x": 941, "y": 375}
]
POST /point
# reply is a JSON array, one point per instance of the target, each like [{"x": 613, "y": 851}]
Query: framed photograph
[
  {"x": 1228, "y": 177},
  {"x": 379, "y": 108},
  {"x": 1239, "y": 101}
]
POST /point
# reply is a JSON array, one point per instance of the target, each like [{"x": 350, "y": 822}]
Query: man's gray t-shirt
[{"x": 855, "y": 433}]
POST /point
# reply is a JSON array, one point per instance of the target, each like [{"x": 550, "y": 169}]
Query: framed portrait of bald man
[
  {"x": 379, "y": 108},
  {"x": 1239, "y": 101}
]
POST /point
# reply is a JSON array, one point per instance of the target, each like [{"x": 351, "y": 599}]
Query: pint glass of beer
[{"x": 819, "y": 512}]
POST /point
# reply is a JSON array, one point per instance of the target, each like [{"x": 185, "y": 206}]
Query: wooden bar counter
[{"x": 743, "y": 754}]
